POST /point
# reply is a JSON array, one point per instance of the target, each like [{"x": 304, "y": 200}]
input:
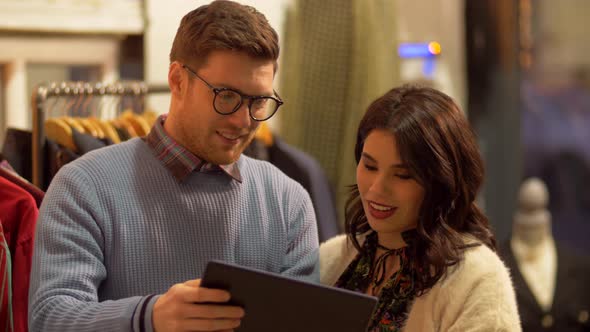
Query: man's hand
[{"x": 183, "y": 308}]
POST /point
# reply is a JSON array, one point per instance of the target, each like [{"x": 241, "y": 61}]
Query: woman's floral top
[{"x": 397, "y": 292}]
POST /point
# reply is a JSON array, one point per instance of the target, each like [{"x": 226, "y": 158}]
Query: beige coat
[{"x": 476, "y": 295}]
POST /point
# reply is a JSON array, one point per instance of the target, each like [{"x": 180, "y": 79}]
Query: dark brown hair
[
  {"x": 224, "y": 25},
  {"x": 437, "y": 143}
]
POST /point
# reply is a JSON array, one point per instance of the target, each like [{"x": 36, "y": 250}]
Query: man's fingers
[
  {"x": 193, "y": 283},
  {"x": 212, "y": 311},
  {"x": 210, "y": 324},
  {"x": 201, "y": 295},
  {"x": 190, "y": 307}
]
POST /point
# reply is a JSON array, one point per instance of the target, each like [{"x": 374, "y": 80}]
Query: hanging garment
[
  {"x": 56, "y": 156},
  {"x": 4, "y": 164},
  {"x": 339, "y": 55},
  {"x": 67, "y": 138},
  {"x": 6, "y": 323},
  {"x": 18, "y": 214},
  {"x": 302, "y": 168},
  {"x": 17, "y": 150},
  {"x": 37, "y": 193},
  {"x": 86, "y": 143},
  {"x": 570, "y": 311},
  {"x": 257, "y": 150}
]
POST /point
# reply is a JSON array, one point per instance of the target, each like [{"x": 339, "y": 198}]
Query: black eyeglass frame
[{"x": 251, "y": 99}]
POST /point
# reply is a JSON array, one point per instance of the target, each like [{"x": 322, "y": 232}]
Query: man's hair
[{"x": 224, "y": 25}]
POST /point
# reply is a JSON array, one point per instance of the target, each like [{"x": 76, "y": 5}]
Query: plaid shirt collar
[{"x": 180, "y": 161}]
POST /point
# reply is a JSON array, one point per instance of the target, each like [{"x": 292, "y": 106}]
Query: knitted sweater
[
  {"x": 476, "y": 295},
  {"x": 116, "y": 227}
]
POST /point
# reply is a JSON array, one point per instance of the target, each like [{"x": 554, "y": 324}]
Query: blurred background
[{"x": 518, "y": 68}]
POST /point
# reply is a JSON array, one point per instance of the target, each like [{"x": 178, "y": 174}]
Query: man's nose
[{"x": 241, "y": 118}]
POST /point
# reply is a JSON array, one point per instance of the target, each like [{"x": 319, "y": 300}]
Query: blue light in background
[
  {"x": 427, "y": 51},
  {"x": 419, "y": 50},
  {"x": 428, "y": 68},
  {"x": 414, "y": 50}
]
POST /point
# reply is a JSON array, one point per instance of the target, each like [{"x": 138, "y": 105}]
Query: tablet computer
[{"x": 277, "y": 303}]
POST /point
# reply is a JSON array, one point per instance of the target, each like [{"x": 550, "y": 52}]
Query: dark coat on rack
[
  {"x": 17, "y": 150},
  {"x": 302, "y": 168},
  {"x": 307, "y": 171},
  {"x": 571, "y": 302}
]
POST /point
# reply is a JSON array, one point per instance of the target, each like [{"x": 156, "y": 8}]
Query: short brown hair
[{"x": 224, "y": 25}]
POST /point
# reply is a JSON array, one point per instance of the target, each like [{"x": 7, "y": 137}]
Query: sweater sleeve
[
  {"x": 482, "y": 297},
  {"x": 302, "y": 258},
  {"x": 68, "y": 265}
]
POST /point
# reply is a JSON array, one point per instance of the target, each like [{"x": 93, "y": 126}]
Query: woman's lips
[{"x": 380, "y": 211}]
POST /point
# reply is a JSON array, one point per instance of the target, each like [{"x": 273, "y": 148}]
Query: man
[{"x": 126, "y": 231}]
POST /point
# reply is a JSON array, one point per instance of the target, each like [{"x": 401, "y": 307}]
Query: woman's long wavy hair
[{"x": 437, "y": 143}]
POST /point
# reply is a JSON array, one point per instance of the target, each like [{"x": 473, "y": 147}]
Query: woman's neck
[
  {"x": 385, "y": 263},
  {"x": 390, "y": 240}
]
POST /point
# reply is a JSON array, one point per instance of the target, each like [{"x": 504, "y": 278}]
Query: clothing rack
[{"x": 47, "y": 91}]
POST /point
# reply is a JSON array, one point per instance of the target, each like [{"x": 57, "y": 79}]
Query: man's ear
[{"x": 176, "y": 79}]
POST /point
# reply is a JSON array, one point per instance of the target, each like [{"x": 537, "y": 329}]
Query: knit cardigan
[{"x": 475, "y": 295}]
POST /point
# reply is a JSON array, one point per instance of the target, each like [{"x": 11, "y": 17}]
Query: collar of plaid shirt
[{"x": 180, "y": 161}]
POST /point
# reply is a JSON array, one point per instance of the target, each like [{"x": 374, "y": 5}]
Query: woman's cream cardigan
[{"x": 475, "y": 295}]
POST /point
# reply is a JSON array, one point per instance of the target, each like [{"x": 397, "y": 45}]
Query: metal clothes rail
[{"x": 47, "y": 91}]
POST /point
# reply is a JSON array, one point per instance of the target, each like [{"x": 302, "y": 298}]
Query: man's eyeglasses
[{"x": 228, "y": 101}]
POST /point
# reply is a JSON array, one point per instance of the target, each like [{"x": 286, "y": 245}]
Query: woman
[{"x": 414, "y": 236}]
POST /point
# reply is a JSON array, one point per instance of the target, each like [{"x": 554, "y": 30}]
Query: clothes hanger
[
  {"x": 94, "y": 123},
  {"x": 108, "y": 129},
  {"x": 124, "y": 124},
  {"x": 121, "y": 132},
  {"x": 95, "y": 117},
  {"x": 150, "y": 117},
  {"x": 67, "y": 110},
  {"x": 73, "y": 123},
  {"x": 82, "y": 112},
  {"x": 130, "y": 116},
  {"x": 88, "y": 128},
  {"x": 148, "y": 114},
  {"x": 139, "y": 124},
  {"x": 58, "y": 130},
  {"x": 109, "y": 109}
]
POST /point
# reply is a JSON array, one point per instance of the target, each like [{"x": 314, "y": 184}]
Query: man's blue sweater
[{"x": 116, "y": 228}]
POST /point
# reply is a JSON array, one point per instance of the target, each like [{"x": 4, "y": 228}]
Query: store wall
[
  {"x": 562, "y": 38},
  {"x": 68, "y": 16},
  {"x": 18, "y": 52},
  {"x": 442, "y": 21}
]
